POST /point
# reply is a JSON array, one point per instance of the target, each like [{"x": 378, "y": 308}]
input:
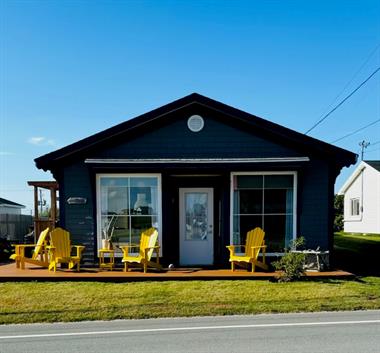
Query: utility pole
[{"x": 364, "y": 145}]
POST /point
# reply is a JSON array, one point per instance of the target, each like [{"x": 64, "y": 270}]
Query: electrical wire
[
  {"x": 344, "y": 100},
  {"x": 356, "y": 131},
  {"x": 353, "y": 77}
]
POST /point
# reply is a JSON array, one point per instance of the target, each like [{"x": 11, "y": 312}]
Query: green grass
[
  {"x": 358, "y": 253},
  {"x": 77, "y": 301}
]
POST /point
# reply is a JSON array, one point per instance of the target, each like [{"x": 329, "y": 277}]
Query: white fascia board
[
  {"x": 362, "y": 165},
  {"x": 11, "y": 206},
  {"x": 196, "y": 160}
]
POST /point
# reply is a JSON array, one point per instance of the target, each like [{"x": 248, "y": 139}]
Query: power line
[
  {"x": 353, "y": 77},
  {"x": 356, "y": 131},
  {"x": 342, "y": 101},
  {"x": 375, "y": 143}
]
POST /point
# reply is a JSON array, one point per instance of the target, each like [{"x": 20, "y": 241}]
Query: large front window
[
  {"x": 266, "y": 201},
  {"x": 127, "y": 205}
]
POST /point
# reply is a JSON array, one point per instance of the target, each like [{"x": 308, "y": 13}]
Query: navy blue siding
[
  {"x": 79, "y": 219},
  {"x": 313, "y": 206},
  {"x": 216, "y": 140}
]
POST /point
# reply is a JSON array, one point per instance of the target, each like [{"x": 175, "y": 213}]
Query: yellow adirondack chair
[
  {"x": 39, "y": 255},
  {"x": 254, "y": 244},
  {"x": 60, "y": 250},
  {"x": 147, "y": 246}
]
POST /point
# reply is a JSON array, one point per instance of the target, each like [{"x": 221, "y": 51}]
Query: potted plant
[{"x": 108, "y": 232}]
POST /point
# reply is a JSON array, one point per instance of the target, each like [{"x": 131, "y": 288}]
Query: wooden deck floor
[{"x": 9, "y": 273}]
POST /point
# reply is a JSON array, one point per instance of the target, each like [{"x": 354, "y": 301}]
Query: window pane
[
  {"x": 278, "y": 181},
  {"x": 114, "y": 200},
  {"x": 138, "y": 225},
  {"x": 242, "y": 225},
  {"x": 248, "y": 182},
  {"x": 128, "y": 206},
  {"x": 119, "y": 230},
  {"x": 248, "y": 202},
  {"x": 144, "y": 196},
  {"x": 278, "y": 232},
  {"x": 196, "y": 209},
  {"x": 109, "y": 181},
  {"x": 278, "y": 201}
]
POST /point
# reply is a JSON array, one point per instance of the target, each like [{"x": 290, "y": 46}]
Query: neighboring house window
[
  {"x": 355, "y": 207},
  {"x": 127, "y": 205},
  {"x": 267, "y": 201}
]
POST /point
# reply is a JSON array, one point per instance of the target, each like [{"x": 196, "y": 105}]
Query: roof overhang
[{"x": 359, "y": 169}]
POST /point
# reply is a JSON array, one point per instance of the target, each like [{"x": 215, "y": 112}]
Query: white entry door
[{"x": 196, "y": 228}]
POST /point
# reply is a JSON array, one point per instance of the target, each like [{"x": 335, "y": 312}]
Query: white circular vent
[{"x": 195, "y": 123}]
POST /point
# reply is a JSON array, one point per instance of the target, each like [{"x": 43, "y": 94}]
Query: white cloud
[{"x": 41, "y": 141}]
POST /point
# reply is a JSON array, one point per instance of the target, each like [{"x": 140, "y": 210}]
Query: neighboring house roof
[
  {"x": 362, "y": 165},
  {"x": 374, "y": 164},
  {"x": 5, "y": 202},
  {"x": 251, "y": 122}
]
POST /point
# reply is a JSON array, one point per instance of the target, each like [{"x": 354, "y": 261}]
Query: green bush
[
  {"x": 338, "y": 213},
  {"x": 291, "y": 264}
]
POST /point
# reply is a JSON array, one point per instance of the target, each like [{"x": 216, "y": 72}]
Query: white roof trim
[
  {"x": 362, "y": 165},
  {"x": 11, "y": 206},
  {"x": 195, "y": 160}
]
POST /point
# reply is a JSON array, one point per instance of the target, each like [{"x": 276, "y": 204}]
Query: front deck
[{"x": 9, "y": 273}]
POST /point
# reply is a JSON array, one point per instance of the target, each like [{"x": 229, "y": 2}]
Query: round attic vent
[{"x": 195, "y": 123}]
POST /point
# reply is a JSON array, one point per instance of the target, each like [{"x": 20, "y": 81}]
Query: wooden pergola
[{"x": 42, "y": 223}]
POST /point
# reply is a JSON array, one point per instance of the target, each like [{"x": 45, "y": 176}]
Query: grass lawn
[
  {"x": 73, "y": 301},
  {"x": 357, "y": 253}
]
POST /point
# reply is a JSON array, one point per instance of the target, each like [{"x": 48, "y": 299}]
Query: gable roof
[
  {"x": 5, "y": 202},
  {"x": 374, "y": 164},
  {"x": 254, "y": 123},
  {"x": 362, "y": 165}
]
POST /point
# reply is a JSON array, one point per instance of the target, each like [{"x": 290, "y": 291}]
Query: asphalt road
[{"x": 357, "y": 332}]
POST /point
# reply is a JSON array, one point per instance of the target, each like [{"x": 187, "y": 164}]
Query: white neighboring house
[
  {"x": 362, "y": 199},
  {"x": 10, "y": 207}
]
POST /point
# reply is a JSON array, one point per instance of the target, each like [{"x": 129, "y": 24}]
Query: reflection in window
[
  {"x": 264, "y": 201},
  {"x": 128, "y": 205},
  {"x": 196, "y": 215}
]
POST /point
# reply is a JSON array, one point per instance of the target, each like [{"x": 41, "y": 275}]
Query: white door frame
[{"x": 200, "y": 250}]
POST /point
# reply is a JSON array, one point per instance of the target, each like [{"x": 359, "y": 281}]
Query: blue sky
[{"x": 69, "y": 69}]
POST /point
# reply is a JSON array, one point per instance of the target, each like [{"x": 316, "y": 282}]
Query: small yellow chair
[
  {"x": 147, "y": 246},
  {"x": 254, "y": 244},
  {"x": 39, "y": 255},
  {"x": 60, "y": 250}
]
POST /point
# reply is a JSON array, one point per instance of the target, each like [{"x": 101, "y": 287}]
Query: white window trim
[
  {"x": 295, "y": 179},
  {"x": 352, "y": 215},
  {"x": 121, "y": 175}
]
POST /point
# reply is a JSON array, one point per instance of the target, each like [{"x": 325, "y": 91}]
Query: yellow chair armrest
[
  {"x": 257, "y": 247},
  {"x": 24, "y": 245},
  {"x": 232, "y": 248},
  {"x": 125, "y": 248}
]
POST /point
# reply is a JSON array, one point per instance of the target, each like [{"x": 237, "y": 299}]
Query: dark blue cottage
[{"x": 201, "y": 172}]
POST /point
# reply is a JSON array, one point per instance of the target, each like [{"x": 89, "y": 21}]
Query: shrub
[{"x": 291, "y": 264}]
